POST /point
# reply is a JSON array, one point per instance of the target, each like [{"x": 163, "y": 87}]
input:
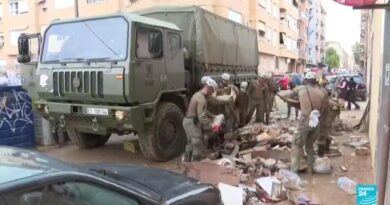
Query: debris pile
[{"x": 255, "y": 162}]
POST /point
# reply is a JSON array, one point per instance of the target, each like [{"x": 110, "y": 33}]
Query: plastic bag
[
  {"x": 289, "y": 179},
  {"x": 322, "y": 165},
  {"x": 313, "y": 118}
]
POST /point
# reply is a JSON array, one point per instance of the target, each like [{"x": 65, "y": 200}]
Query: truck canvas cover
[{"x": 210, "y": 39}]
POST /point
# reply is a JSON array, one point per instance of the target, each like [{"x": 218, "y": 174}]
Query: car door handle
[{"x": 163, "y": 78}]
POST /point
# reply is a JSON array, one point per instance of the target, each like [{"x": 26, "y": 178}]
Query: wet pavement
[{"x": 359, "y": 168}]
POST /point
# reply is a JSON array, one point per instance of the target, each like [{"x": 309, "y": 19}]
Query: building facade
[
  {"x": 343, "y": 55},
  {"x": 316, "y": 33},
  {"x": 281, "y": 24}
]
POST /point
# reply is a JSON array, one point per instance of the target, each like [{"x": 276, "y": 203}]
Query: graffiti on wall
[{"x": 15, "y": 110}]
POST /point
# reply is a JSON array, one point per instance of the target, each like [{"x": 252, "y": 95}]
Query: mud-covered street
[{"x": 323, "y": 187}]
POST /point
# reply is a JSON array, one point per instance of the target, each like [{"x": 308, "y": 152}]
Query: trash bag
[
  {"x": 289, "y": 179},
  {"x": 322, "y": 166}
]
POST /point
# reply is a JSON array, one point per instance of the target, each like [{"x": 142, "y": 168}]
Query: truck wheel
[
  {"x": 86, "y": 140},
  {"x": 166, "y": 138}
]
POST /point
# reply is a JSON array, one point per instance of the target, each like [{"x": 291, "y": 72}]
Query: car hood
[{"x": 168, "y": 185}]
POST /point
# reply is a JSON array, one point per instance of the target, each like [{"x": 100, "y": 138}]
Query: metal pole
[{"x": 76, "y": 8}]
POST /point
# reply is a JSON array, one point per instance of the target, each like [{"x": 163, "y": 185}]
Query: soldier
[
  {"x": 225, "y": 87},
  {"x": 198, "y": 121},
  {"x": 270, "y": 96},
  {"x": 257, "y": 92},
  {"x": 242, "y": 103},
  {"x": 313, "y": 103},
  {"x": 324, "y": 140}
]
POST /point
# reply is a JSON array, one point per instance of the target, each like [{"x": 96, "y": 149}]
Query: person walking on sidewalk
[
  {"x": 313, "y": 103},
  {"x": 351, "y": 94},
  {"x": 198, "y": 121}
]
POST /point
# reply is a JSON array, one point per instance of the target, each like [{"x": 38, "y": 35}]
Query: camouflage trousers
[
  {"x": 260, "y": 111},
  {"x": 305, "y": 138},
  {"x": 194, "y": 147}
]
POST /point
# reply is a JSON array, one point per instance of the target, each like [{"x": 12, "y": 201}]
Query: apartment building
[
  {"x": 275, "y": 20},
  {"x": 316, "y": 33},
  {"x": 321, "y": 34},
  {"x": 343, "y": 55},
  {"x": 303, "y": 38}
]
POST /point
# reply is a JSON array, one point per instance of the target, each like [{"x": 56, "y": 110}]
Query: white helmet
[
  {"x": 225, "y": 76},
  {"x": 206, "y": 80},
  {"x": 244, "y": 84},
  {"x": 310, "y": 76}
]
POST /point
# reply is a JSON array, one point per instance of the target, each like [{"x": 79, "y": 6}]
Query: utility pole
[{"x": 76, "y": 8}]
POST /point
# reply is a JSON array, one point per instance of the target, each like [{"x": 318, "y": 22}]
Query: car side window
[{"x": 73, "y": 193}]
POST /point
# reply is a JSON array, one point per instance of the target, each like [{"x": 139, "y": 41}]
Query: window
[
  {"x": 263, "y": 3},
  {"x": 72, "y": 193},
  {"x": 269, "y": 35},
  {"x": 18, "y": 7},
  {"x": 235, "y": 16},
  {"x": 174, "y": 44},
  {"x": 1, "y": 11},
  {"x": 14, "y": 36},
  {"x": 104, "y": 38},
  {"x": 149, "y": 43},
  {"x": 95, "y": 1},
  {"x": 275, "y": 38},
  {"x": 261, "y": 31},
  {"x": 62, "y": 4},
  {"x": 1, "y": 40},
  {"x": 275, "y": 11}
]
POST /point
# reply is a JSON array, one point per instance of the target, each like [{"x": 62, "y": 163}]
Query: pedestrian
[
  {"x": 342, "y": 91},
  {"x": 270, "y": 95},
  {"x": 257, "y": 91},
  {"x": 242, "y": 103},
  {"x": 291, "y": 105},
  {"x": 351, "y": 94},
  {"x": 198, "y": 121},
  {"x": 313, "y": 103}
]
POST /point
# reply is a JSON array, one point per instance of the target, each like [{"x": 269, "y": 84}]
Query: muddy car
[{"x": 28, "y": 177}]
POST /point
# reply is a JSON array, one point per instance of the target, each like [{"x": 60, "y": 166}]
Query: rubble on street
[{"x": 255, "y": 160}]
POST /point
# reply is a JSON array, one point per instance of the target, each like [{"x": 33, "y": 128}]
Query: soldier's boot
[
  {"x": 321, "y": 150},
  {"x": 328, "y": 142}
]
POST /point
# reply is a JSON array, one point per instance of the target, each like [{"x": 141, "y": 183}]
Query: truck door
[
  {"x": 28, "y": 69},
  {"x": 174, "y": 61},
  {"x": 149, "y": 70}
]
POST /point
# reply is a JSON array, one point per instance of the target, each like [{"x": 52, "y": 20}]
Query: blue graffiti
[{"x": 15, "y": 110}]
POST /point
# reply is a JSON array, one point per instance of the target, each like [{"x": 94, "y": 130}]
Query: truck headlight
[{"x": 119, "y": 115}]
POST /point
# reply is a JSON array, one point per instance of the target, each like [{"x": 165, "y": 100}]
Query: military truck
[{"x": 134, "y": 72}]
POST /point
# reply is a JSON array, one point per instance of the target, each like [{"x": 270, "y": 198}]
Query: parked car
[
  {"x": 361, "y": 91},
  {"x": 32, "y": 178},
  {"x": 331, "y": 79},
  {"x": 281, "y": 81}
]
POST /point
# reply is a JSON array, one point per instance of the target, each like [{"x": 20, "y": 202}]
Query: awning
[{"x": 355, "y": 2}]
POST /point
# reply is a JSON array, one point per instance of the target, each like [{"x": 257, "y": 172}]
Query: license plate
[{"x": 97, "y": 111}]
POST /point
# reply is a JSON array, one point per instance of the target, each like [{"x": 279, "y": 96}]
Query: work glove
[
  {"x": 216, "y": 128},
  {"x": 314, "y": 118}
]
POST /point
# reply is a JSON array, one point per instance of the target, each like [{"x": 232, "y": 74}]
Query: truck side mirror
[{"x": 23, "y": 49}]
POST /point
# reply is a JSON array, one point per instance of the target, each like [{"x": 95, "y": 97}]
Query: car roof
[{"x": 16, "y": 164}]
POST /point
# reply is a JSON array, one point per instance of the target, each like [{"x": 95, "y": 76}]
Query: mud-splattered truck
[{"x": 134, "y": 72}]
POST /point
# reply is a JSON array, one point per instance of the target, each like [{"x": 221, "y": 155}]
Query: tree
[
  {"x": 356, "y": 52},
  {"x": 332, "y": 58}
]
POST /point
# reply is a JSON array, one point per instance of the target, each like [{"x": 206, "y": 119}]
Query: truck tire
[
  {"x": 166, "y": 138},
  {"x": 86, "y": 140}
]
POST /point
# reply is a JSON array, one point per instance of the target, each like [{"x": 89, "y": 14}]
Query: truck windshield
[{"x": 98, "y": 39}]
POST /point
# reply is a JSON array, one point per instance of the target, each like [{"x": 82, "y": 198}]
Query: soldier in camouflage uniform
[
  {"x": 242, "y": 103},
  {"x": 198, "y": 120},
  {"x": 324, "y": 140},
  {"x": 311, "y": 99},
  {"x": 258, "y": 100},
  {"x": 270, "y": 95},
  {"x": 225, "y": 87}
]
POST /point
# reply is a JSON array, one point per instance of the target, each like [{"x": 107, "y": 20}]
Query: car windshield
[
  {"x": 356, "y": 78},
  {"x": 103, "y": 39}
]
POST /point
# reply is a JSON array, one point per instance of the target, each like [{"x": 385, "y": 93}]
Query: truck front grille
[{"x": 78, "y": 82}]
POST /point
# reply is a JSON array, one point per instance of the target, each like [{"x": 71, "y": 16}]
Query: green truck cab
[{"x": 134, "y": 73}]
